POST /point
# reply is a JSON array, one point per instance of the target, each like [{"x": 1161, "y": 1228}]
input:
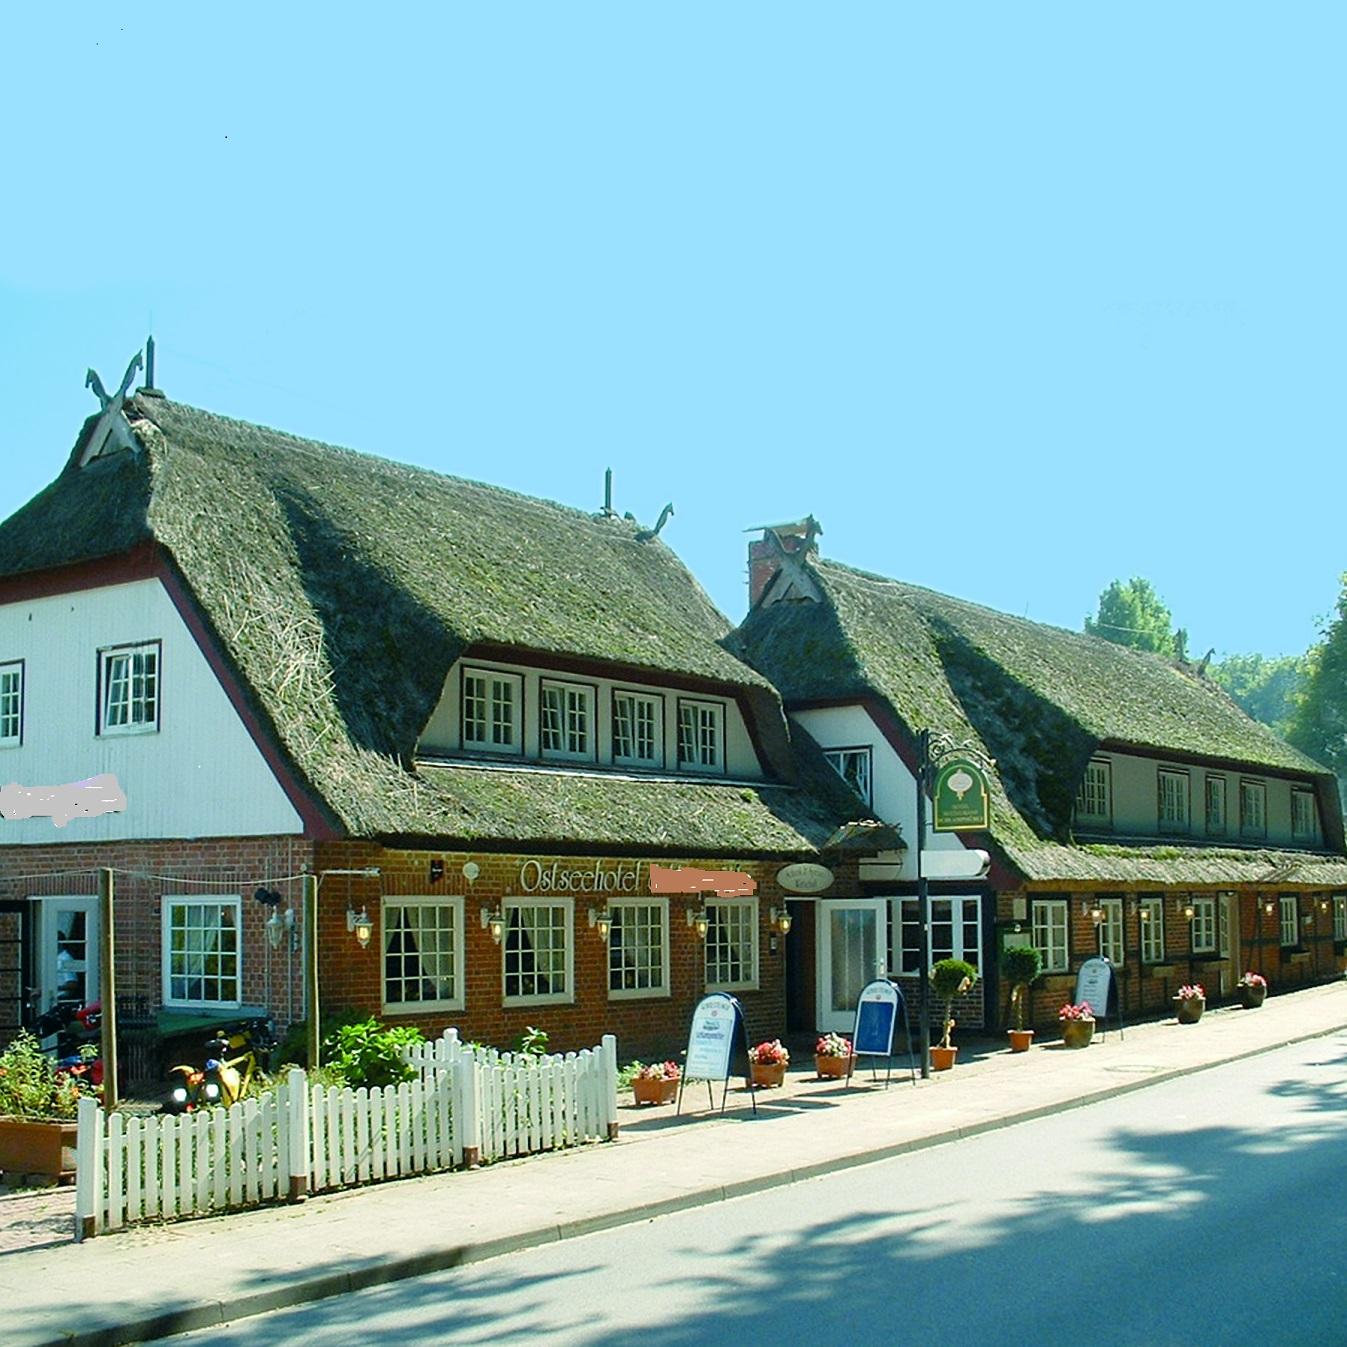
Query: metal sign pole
[{"x": 923, "y": 904}]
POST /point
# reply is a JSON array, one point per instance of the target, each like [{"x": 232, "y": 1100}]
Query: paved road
[{"x": 1201, "y": 1212}]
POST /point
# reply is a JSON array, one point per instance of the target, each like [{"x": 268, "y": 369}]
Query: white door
[
  {"x": 68, "y": 951},
  {"x": 1227, "y": 939},
  {"x": 853, "y": 949}
]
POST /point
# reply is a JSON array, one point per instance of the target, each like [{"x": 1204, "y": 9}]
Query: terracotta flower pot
[
  {"x": 35, "y": 1146},
  {"x": 654, "y": 1091},
  {"x": 834, "y": 1068},
  {"x": 1077, "y": 1033},
  {"x": 1189, "y": 1011},
  {"x": 942, "y": 1059},
  {"x": 1020, "y": 1039},
  {"x": 1251, "y": 997},
  {"x": 768, "y": 1073}
]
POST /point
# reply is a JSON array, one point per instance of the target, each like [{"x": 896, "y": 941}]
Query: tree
[
  {"x": 1133, "y": 614},
  {"x": 1268, "y": 689},
  {"x": 1320, "y": 724}
]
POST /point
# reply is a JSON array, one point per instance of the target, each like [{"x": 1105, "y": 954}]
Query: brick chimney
[{"x": 777, "y": 541}]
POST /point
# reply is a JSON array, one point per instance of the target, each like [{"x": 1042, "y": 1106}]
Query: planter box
[
  {"x": 770, "y": 1075},
  {"x": 33, "y": 1146},
  {"x": 834, "y": 1068},
  {"x": 654, "y": 1091}
]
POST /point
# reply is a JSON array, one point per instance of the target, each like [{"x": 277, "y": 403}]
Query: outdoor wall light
[
  {"x": 360, "y": 925},
  {"x": 699, "y": 921},
  {"x": 1323, "y": 904},
  {"x": 601, "y": 919},
  {"x": 1188, "y": 910},
  {"x": 1144, "y": 913},
  {"x": 1092, "y": 910},
  {"x": 1269, "y": 907},
  {"x": 494, "y": 922},
  {"x": 781, "y": 920},
  {"x": 276, "y": 927}
]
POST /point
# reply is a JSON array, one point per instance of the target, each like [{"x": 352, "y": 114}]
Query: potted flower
[
  {"x": 1020, "y": 966},
  {"x": 833, "y": 1057},
  {"x": 768, "y": 1062},
  {"x": 1189, "y": 1002},
  {"x": 656, "y": 1083},
  {"x": 1252, "y": 988},
  {"x": 1077, "y": 1023},
  {"x": 949, "y": 978},
  {"x": 38, "y": 1104}
]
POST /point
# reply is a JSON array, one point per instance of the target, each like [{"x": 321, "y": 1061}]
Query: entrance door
[
  {"x": 67, "y": 951},
  {"x": 1227, "y": 940},
  {"x": 853, "y": 944}
]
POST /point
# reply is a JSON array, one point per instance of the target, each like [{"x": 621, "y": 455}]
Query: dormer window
[
  {"x": 1253, "y": 809},
  {"x": 701, "y": 733},
  {"x": 567, "y": 720},
  {"x": 1094, "y": 803},
  {"x": 491, "y": 711},
  {"x": 128, "y": 684},
  {"x": 1172, "y": 800},
  {"x": 853, "y": 766},
  {"x": 638, "y": 722},
  {"x": 1303, "y": 822}
]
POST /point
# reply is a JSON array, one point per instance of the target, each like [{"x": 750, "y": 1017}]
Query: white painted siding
[{"x": 200, "y": 775}]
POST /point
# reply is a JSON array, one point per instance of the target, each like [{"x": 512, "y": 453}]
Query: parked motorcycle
[
  {"x": 78, "y": 1030},
  {"x": 234, "y": 1053}
]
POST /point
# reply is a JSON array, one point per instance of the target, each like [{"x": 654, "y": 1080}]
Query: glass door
[
  {"x": 68, "y": 951},
  {"x": 853, "y": 942}
]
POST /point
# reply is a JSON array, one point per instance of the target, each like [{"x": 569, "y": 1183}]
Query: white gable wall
[{"x": 200, "y": 775}]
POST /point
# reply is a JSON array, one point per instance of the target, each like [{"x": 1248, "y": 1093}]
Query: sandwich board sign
[
  {"x": 1093, "y": 984},
  {"x": 717, "y": 1023},
  {"x": 876, "y": 1018}
]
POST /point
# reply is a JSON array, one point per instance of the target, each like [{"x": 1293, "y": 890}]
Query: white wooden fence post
[
  {"x": 610, "y": 1084},
  {"x": 297, "y": 1106},
  {"x": 468, "y": 1108},
  {"x": 88, "y": 1167}
]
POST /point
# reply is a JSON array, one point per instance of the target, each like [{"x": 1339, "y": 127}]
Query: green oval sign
[{"x": 961, "y": 798}]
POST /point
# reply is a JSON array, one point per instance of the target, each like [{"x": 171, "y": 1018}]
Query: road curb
[{"x": 307, "y": 1290}]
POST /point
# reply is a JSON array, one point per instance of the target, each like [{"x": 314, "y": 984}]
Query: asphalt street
[{"x": 1200, "y": 1212}]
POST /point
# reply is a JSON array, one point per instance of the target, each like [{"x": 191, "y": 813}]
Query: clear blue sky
[{"x": 1016, "y": 299}]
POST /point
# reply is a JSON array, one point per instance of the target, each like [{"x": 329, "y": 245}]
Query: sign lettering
[
  {"x": 535, "y": 877},
  {"x": 961, "y": 798}
]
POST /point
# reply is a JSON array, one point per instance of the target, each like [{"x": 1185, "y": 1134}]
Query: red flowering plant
[
  {"x": 659, "y": 1071},
  {"x": 832, "y": 1045},
  {"x": 1190, "y": 991},
  {"x": 769, "y": 1054},
  {"x": 1082, "y": 1011},
  {"x": 1253, "y": 980}
]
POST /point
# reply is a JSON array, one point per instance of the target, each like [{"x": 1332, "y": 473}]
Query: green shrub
[
  {"x": 370, "y": 1054},
  {"x": 532, "y": 1041},
  {"x": 294, "y": 1047},
  {"x": 951, "y": 978},
  {"x": 32, "y": 1087}
]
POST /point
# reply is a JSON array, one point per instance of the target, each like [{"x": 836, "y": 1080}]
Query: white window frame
[
  {"x": 139, "y": 720},
  {"x": 961, "y": 947},
  {"x": 861, "y": 758},
  {"x": 490, "y": 744},
  {"x": 1172, "y": 800},
  {"x": 1303, "y": 830},
  {"x": 654, "y": 703},
  {"x": 1288, "y": 920},
  {"x": 1248, "y": 792},
  {"x": 1112, "y": 931},
  {"x": 11, "y": 691},
  {"x": 424, "y": 1006},
  {"x": 1095, "y": 786},
  {"x": 1152, "y": 930},
  {"x": 714, "y": 906},
  {"x": 1215, "y": 789},
  {"x": 169, "y": 902},
  {"x": 661, "y": 989},
  {"x": 1340, "y": 916},
  {"x": 1050, "y": 927},
  {"x": 579, "y": 720},
  {"x": 704, "y": 712},
  {"x": 1204, "y": 926},
  {"x": 551, "y": 998}
]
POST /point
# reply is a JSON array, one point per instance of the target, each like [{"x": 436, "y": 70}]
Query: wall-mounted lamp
[
  {"x": 1143, "y": 912},
  {"x": 781, "y": 920},
  {"x": 601, "y": 919},
  {"x": 1269, "y": 906},
  {"x": 699, "y": 921},
  {"x": 1323, "y": 904},
  {"x": 1092, "y": 910},
  {"x": 1188, "y": 911},
  {"x": 275, "y": 926},
  {"x": 493, "y": 921},
  {"x": 360, "y": 925}
]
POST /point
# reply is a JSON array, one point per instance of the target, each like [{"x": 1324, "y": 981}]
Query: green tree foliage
[
  {"x": 1133, "y": 614},
  {"x": 1268, "y": 689},
  {"x": 1320, "y": 724}
]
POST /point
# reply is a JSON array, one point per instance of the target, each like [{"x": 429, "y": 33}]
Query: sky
[{"x": 1014, "y": 299}]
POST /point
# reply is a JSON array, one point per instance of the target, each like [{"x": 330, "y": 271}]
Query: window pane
[
  {"x": 536, "y": 938},
  {"x": 420, "y": 952},
  {"x": 636, "y": 947}
]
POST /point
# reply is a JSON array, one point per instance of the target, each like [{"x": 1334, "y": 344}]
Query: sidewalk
[{"x": 155, "y": 1280}]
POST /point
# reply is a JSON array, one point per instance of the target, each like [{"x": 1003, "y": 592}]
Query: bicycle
[{"x": 224, "y": 1079}]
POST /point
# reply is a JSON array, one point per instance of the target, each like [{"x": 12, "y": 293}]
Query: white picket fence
[{"x": 466, "y": 1106}]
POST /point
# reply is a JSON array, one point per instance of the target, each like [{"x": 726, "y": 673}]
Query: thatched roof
[
  {"x": 343, "y": 587},
  {"x": 1038, "y": 699}
]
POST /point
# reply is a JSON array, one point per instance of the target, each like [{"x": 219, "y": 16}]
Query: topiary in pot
[
  {"x": 951, "y": 978},
  {"x": 1021, "y": 966}
]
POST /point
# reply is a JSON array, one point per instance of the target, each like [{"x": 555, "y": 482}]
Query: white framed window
[
  {"x": 1340, "y": 916},
  {"x": 1215, "y": 802},
  {"x": 956, "y": 932},
  {"x": 638, "y": 729},
  {"x": 1111, "y": 944},
  {"x": 128, "y": 689},
  {"x": 566, "y": 720},
  {"x": 853, "y": 766},
  {"x": 1172, "y": 800},
  {"x": 638, "y": 949},
  {"x": 1050, "y": 926},
  {"x": 1204, "y": 926},
  {"x": 1094, "y": 801},
  {"x": 731, "y": 944},
  {"x": 537, "y": 952},
  {"x": 11, "y": 704},
  {"x": 201, "y": 958},
  {"x": 1290, "y": 919},
  {"x": 1304, "y": 822},
  {"x": 1151, "y": 913},
  {"x": 701, "y": 735},
  {"x": 423, "y": 954},
  {"x": 1253, "y": 808},
  {"x": 492, "y": 706}
]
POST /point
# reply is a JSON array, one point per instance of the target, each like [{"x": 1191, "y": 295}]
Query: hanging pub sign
[{"x": 961, "y": 798}]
